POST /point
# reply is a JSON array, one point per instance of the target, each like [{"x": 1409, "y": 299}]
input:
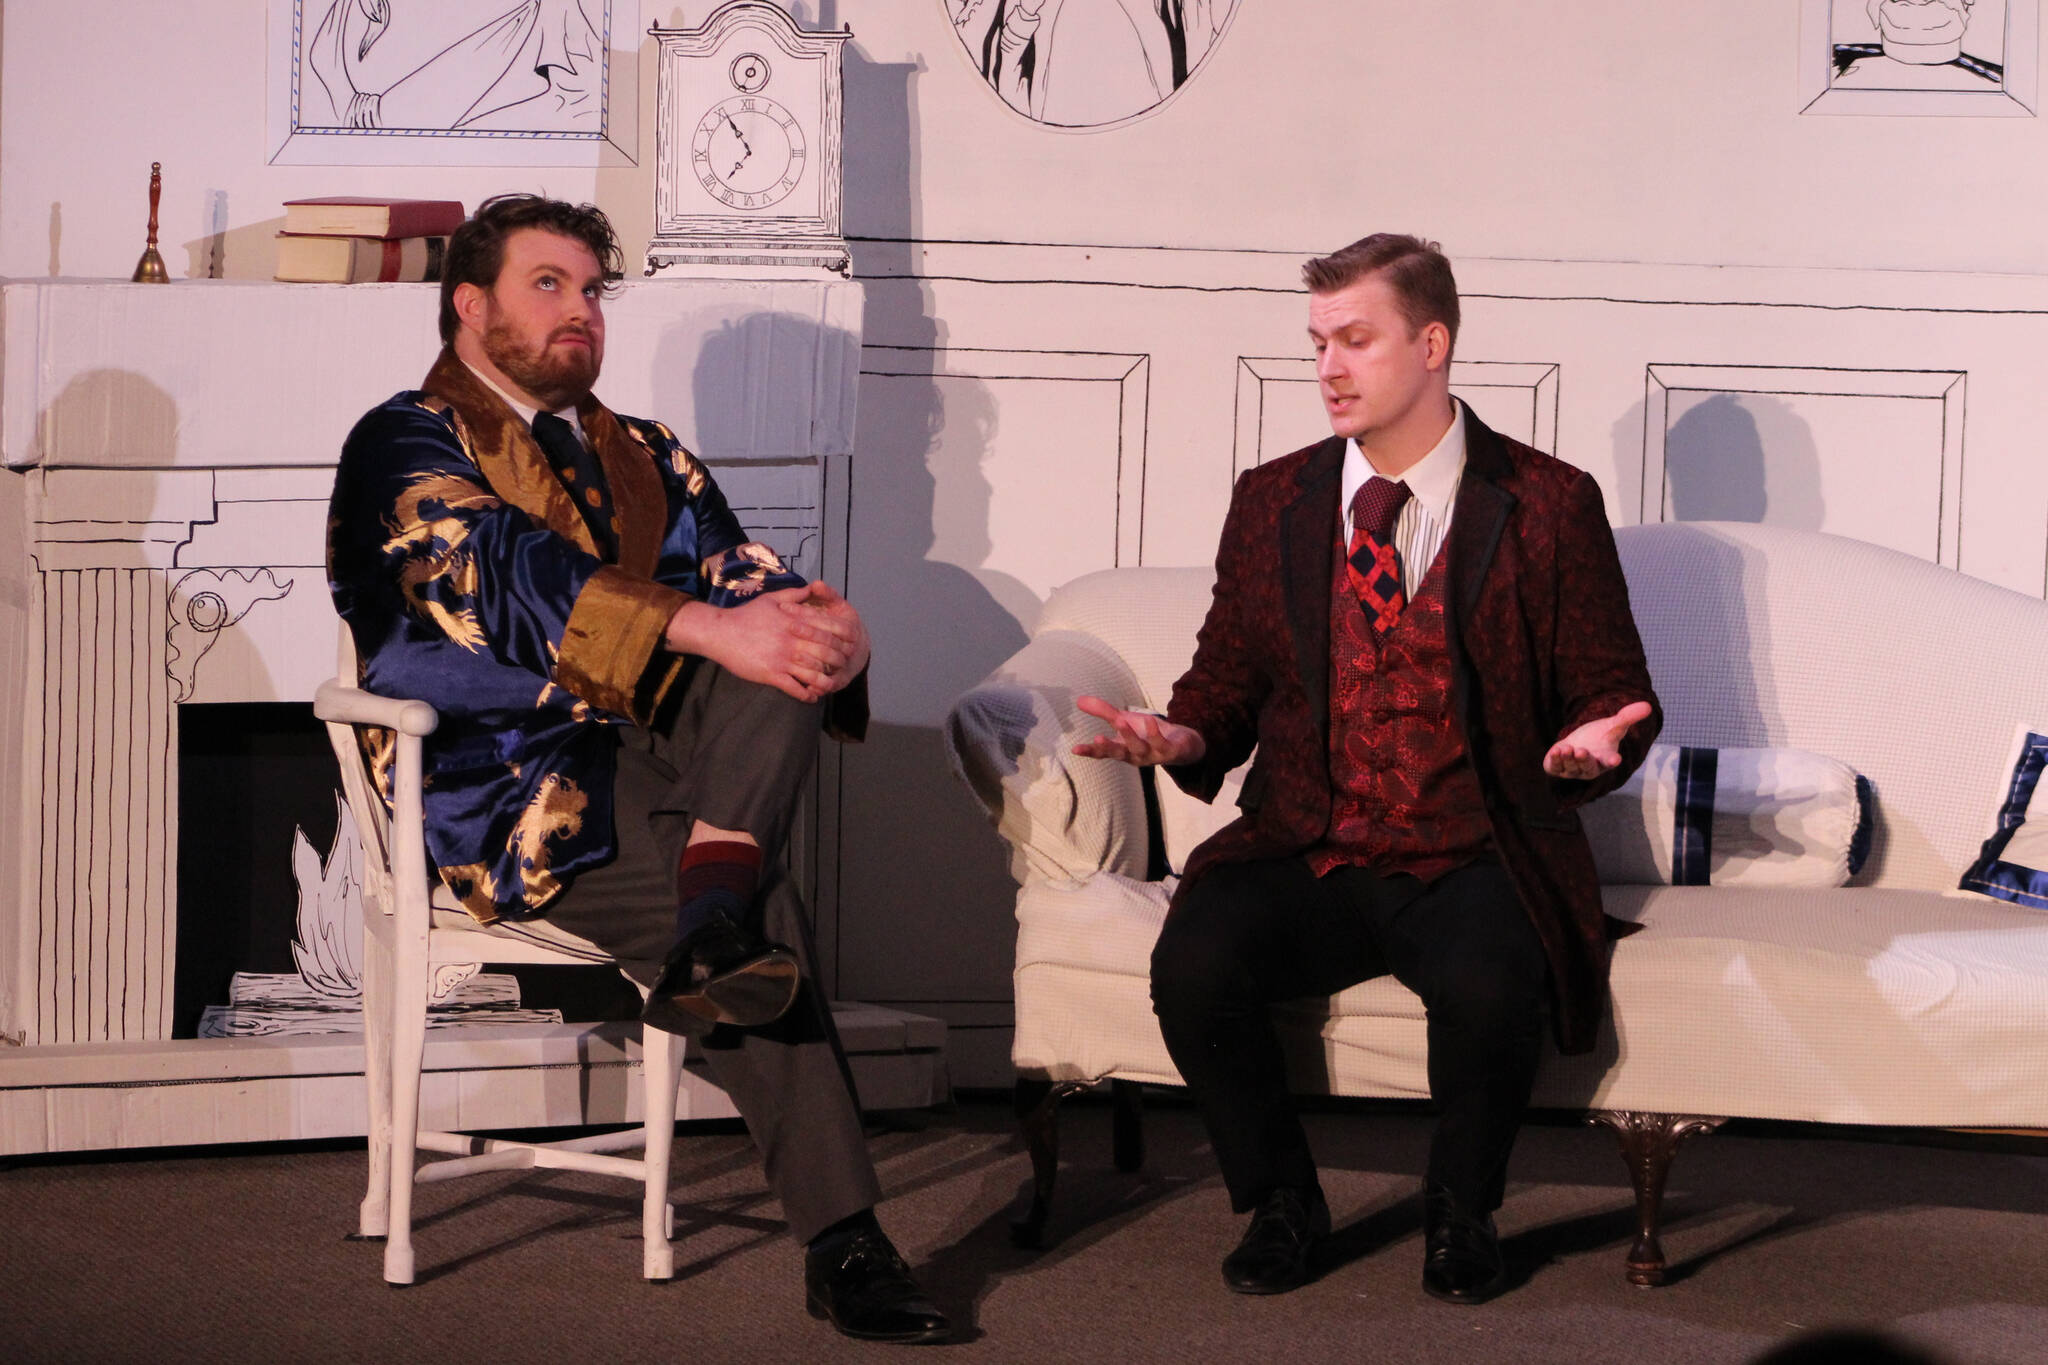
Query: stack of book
[{"x": 346, "y": 239}]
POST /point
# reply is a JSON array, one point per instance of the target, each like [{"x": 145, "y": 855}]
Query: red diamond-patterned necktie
[{"x": 1375, "y": 571}]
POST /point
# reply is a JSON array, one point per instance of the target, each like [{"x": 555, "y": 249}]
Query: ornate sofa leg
[
  {"x": 1648, "y": 1142},
  {"x": 1037, "y": 1105},
  {"x": 1128, "y": 1125}
]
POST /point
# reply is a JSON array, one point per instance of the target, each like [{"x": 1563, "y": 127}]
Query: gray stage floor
[{"x": 204, "y": 1255}]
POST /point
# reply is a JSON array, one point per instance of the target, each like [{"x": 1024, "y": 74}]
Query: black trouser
[
  {"x": 1250, "y": 934},
  {"x": 736, "y": 756}
]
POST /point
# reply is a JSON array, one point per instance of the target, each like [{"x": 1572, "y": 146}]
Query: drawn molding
[
  {"x": 1945, "y": 387},
  {"x": 204, "y": 603},
  {"x": 1130, "y": 373},
  {"x": 1515, "y": 398}
]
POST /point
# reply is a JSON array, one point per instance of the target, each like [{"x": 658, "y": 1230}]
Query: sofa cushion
[
  {"x": 1857, "y": 1005},
  {"x": 2012, "y": 865},
  {"x": 1731, "y": 817}
]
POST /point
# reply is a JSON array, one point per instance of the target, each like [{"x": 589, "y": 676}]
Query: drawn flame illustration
[{"x": 329, "y": 948}]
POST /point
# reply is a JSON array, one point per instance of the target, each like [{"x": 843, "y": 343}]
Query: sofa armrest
[{"x": 1011, "y": 740}]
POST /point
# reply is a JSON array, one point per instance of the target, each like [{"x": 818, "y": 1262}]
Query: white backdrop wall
[
  {"x": 1596, "y": 130},
  {"x": 1074, "y": 340}
]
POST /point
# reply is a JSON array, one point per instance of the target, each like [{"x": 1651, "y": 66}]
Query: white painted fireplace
[{"x": 168, "y": 453}]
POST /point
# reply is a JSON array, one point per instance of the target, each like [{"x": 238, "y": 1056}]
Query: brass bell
[{"x": 150, "y": 269}]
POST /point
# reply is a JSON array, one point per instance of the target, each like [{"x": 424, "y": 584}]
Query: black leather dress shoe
[
  {"x": 1461, "y": 1260},
  {"x": 864, "y": 1288},
  {"x": 721, "y": 974},
  {"x": 1278, "y": 1250}
]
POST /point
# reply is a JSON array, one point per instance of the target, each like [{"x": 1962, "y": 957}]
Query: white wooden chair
[{"x": 408, "y": 930}]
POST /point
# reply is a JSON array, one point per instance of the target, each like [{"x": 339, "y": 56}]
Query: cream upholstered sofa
[{"x": 1884, "y": 1002}]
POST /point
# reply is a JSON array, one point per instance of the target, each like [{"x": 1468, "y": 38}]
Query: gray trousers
[{"x": 736, "y": 756}]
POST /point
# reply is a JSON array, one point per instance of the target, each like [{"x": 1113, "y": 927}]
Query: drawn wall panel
[
  {"x": 1278, "y": 410},
  {"x": 1872, "y": 454},
  {"x": 982, "y": 480}
]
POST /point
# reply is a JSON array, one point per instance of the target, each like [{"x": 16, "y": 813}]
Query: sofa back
[{"x": 1912, "y": 674}]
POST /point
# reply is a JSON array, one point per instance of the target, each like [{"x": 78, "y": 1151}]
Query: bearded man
[{"x": 631, "y": 693}]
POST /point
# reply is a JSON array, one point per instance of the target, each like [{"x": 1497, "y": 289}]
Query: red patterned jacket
[{"x": 1542, "y": 641}]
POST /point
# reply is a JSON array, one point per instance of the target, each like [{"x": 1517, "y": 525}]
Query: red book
[
  {"x": 346, "y": 215},
  {"x": 313, "y": 258}
]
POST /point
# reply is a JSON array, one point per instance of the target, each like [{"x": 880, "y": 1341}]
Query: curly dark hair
[{"x": 476, "y": 251}]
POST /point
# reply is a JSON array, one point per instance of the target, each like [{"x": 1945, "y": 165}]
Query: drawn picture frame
[
  {"x": 1953, "y": 58},
  {"x": 454, "y": 82}
]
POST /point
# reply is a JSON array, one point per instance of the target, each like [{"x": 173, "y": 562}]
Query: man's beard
[{"x": 557, "y": 380}]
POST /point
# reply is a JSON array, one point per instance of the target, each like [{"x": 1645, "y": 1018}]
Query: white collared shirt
[
  {"x": 525, "y": 411},
  {"x": 1425, "y": 519}
]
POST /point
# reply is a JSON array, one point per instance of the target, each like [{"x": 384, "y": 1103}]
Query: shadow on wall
[
  {"x": 927, "y": 890},
  {"x": 921, "y": 496},
  {"x": 741, "y": 374},
  {"x": 1746, "y": 457},
  {"x": 926, "y": 895},
  {"x": 882, "y": 190}
]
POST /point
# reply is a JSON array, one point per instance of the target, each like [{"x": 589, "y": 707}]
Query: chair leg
[
  {"x": 1127, "y": 1125},
  {"x": 408, "y": 1055},
  {"x": 1648, "y": 1143},
  {"x": 660, "y": 1072},
  {"x": 1037, "y": 1107},
  {"x": 373, "y": 1219}
]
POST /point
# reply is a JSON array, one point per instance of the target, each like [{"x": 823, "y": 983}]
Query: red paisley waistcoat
[{"x": 1404, "y": 796}]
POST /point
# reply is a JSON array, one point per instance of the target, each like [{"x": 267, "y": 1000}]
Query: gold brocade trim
[
  {"x": 504, "y": 451},
  {"x": 688, "y": 467},
  {"x": 380, "y": 752},
  {"x": 432, "y": 550},
  {"x": 615, "y": 627},
  {"x": 475, "y": 887},
  {"x": 555, "y": 812},
  {"x": 639, "y": 502}
]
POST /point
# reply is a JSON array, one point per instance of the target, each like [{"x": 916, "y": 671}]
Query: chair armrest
[
  {"x": 1011, "y": 740},
  {"x": 336, "y": 701}
]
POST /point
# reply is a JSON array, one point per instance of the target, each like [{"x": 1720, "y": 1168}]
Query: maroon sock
[{"x": 716, "y": 877}]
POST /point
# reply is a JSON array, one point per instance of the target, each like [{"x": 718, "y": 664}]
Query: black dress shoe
[
  {"x": 1461, "y": 1260},
  {"x": 863, "y": 1287},
  {"x": 1278, "y": 1250},
  {"x": 720, "y": 974}
]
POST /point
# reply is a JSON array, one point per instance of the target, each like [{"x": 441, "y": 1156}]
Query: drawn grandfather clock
[{"x": 747, "y": 143}]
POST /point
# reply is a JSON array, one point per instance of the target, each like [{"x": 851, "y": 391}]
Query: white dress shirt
[
  {"x": 1425, "y": 519},
  {"x": 527, "y": 412}
]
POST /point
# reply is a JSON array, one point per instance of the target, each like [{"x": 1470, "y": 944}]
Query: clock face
[
  {"x": 748, "y": 133},
  {"x": 748, "y": 151}
]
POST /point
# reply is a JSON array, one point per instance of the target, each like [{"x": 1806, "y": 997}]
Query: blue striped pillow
[
  {"x": 2013, "y": 863},
  {"x": 1694, "y": 816}
]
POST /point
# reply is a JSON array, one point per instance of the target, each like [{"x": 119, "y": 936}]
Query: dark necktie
[
  {"x": 1375, "y": 570},
  {"x": 576, "y": 466}
]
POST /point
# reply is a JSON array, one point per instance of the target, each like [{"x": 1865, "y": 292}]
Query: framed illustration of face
[{"x": 1975, "y": 58}]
